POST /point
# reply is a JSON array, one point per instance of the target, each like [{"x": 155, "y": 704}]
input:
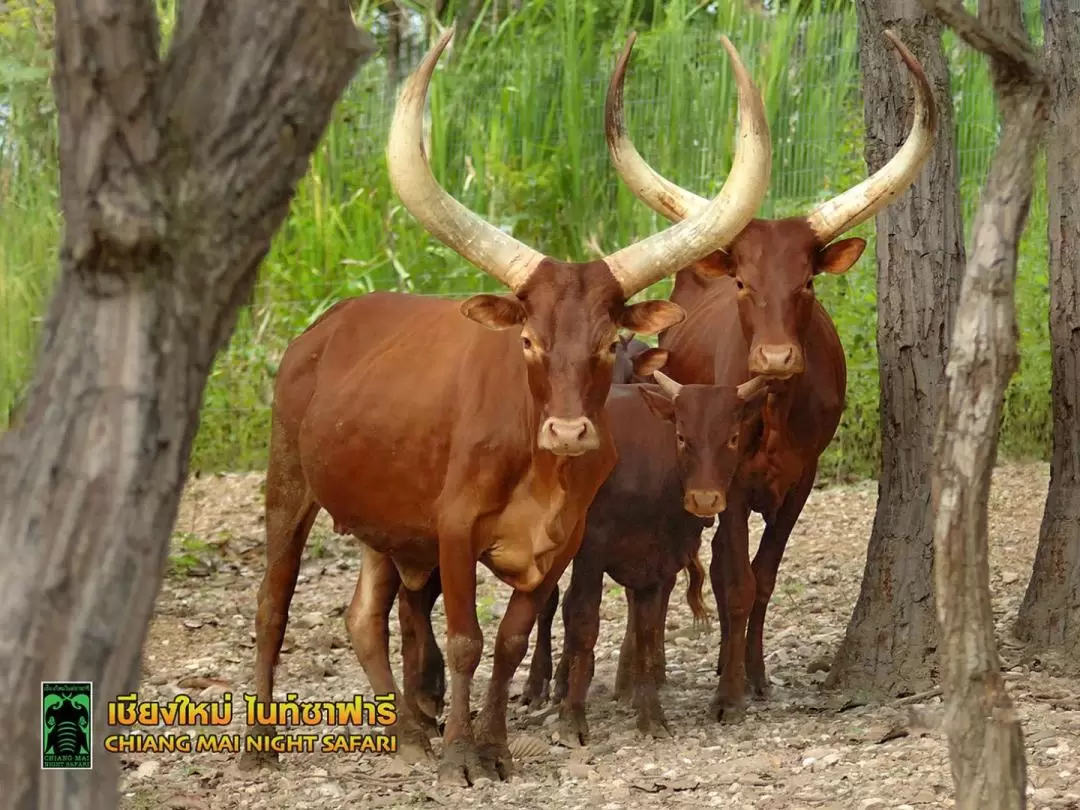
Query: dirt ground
[{"x": 795, "y": 751}]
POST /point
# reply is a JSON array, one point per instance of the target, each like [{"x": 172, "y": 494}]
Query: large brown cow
[
  {"x": 441, "y": 440},
  {"x": 764, "y": 281}
]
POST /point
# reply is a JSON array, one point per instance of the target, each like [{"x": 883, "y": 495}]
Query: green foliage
[{"x": 517, "y": 135}]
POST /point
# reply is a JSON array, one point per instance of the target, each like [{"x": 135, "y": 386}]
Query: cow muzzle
[
  {"x": 777, "y": 361},
  {"x": 704, "y": 503},
  {"x": 569, "y": 437}
]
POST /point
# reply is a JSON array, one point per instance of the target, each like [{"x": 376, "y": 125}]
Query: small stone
[
  {"x": 1009, "y": 577},
  {"x": 147, "y": 769},
  {"x": 482, "y": 782},
  {"x": 331, "y": 790},
  {"x": 874, "y": 801},
  {"x": 578, "y": 770},
  {"x": 831, "y": 759},
  {"x": 1044, "y": 794}
]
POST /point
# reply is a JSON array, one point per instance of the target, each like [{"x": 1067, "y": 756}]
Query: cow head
[
  {"x": 568, "y": 314},
  {"x": 773, "y": 263},
  {"x": 711, "y": 434}
]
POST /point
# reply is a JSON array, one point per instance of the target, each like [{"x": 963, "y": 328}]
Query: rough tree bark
[
  {"x": 986, "y": 745},
  {"x": 890, "y": 643},
  {"x": 1050, "y": 613},
  {"x": 175, "y": 173}
]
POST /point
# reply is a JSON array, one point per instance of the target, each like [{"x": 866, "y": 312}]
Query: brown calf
[
  {"x": 764, "y": 282},
  {"x": 442, "y": 441},
  {"x": 645, "y": 526}
]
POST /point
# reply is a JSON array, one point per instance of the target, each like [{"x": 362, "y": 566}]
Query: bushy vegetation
[{"x": 517, "y": 135}]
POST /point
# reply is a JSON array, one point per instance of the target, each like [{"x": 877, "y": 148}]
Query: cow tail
[{"x": 696, "y": 575}]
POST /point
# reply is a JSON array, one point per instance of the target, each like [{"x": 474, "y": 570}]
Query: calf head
[
  {"x": 567, "y": 315},
  {"x": 711, "y": 434},
  {"x": 773, "y": 263}
]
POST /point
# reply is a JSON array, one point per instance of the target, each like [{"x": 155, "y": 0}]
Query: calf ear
[
  {"x": 839, "y": 257},
  {"x": 716, "y": 265},
  {"x": 649, "y": 361},
  {"x": 658, "y": 402},
  {"x": 650, "y": 317},
  {"x": 493, "y": 311}
]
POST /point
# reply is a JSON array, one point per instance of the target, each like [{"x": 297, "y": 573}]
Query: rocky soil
[{"x": 804, "y": 748}]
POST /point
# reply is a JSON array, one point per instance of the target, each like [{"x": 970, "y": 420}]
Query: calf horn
[
  {"x": 479, "y": 242},
  {"x": 667, "y": 385},
  {"x": 829, "y": 220},
  {"x": 715, "y": 223},
  {"x": 750, "y": 388}
]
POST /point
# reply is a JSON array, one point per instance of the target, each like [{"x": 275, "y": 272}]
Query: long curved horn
[
  {"x": 668, "y": 385},
  {"x": 860, "y": 203},
  {"x": 719, "y": 221},
  {"x": 481, "y": 243},
  {"x": 656, "y": 191}
]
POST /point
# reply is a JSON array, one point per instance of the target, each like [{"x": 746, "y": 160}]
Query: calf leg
[
  {"x": 766, "y": 564},
  {"x": 649, "y": 606},
  {"x": 581, "y": 626},
  {"x": 731, "y": 542},
  {"x": 624, "y": 675},
  {"x": 368, "y": 623},
  {"x": 290, "y": 513},
  {"x": 717, "y": 576},
  {"x": 538, "y": 686},
  {"x": 423, "y": 668},
  {"x": 660, "y": 649}
]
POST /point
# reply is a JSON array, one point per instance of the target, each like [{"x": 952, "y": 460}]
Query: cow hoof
[
  {"x": 254, "y": 760},
  {"x": 413, "y": 750},
  {"x": 536, "y": 692},
  {"x": 652, "y": 723},
  {"x": 460, "y": 765},
  {"x": 430, "y": 706},
  {"x": 725, "y": 710},
  {"x": 497, "y": 761},
  {"x": 758, "y": 688},
  {"x": 573, "y": 729}
]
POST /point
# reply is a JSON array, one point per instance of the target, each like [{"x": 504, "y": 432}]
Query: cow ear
[
  {"x": 493, "y": 311},
  {"x": 658, "y": 402},
  {"x": 649, "y": 361},
  {"x": 716, "y": 265},
  {"x": 839, "y": 257},
  {"x": 650, "y": 317}
]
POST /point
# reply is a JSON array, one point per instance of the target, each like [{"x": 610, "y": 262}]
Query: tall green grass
[{"x": 517, "y": 135}]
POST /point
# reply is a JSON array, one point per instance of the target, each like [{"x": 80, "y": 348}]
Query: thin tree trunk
[
  {"x": 395, "y": 26},
  {"x": 1050, "y": 613},
  {"x": 889, "y": 647},
  {"x": 986, "y": 745},
  {"x": 175, "y": 174}
]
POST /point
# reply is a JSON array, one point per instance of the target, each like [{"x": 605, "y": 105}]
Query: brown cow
[
  {"x": 442, "y": 440},
  {"x": 423, "y": 668},
  {"x": 645, "y": 526},
  {"x": 765, "y": 283}
]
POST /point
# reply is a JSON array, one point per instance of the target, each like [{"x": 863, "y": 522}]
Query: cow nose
[
  {"x": 569, "y": 437},
  {"x": 780, "y": 360},
  {"x": 704, "y": 502}
]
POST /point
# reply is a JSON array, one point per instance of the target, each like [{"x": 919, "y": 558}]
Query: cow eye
[
  {"x": 810, "y": 285},
  {"x": 614, "y": 347},
  {"x": 739, "y": 285},
  {"x": 526, "y": 344},
  {"x": 734, "y": 441},
  {"x": 680, "y": 440}
]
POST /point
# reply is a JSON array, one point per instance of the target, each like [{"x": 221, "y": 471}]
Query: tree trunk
[
  {"x": 891, "y": 636},
  {"x": 986, "y": 745},
  {"x": 175, "y": 173},
  {"x": 1050, "y": 613},
  {"x": 395, "y": 40}
]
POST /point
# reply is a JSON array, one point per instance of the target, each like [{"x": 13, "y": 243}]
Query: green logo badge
[{"x": 67, "y": 716}]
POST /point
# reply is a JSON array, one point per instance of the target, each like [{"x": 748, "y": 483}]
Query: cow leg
[
  {"x": 581, "y": 627},
  {"x": 538, "y": 686},
  {"x": 731, "y": 543},
  {"x": 766, "y": 564},
  {"x": 290, "y": 513},
  {"x": 624, "y": 675},
  {"x": 717, "y": 575},
  {"x": 423, "y": 668},
  {"x": 648, "y": 604},
  {"x": 368, "y": 623},
  {"x": 460, "y": 763}
]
